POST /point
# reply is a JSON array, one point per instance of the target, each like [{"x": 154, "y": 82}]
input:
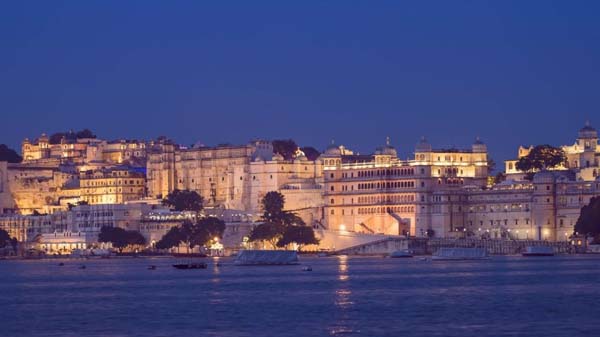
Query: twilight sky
[{"x": 511, "y": 72}]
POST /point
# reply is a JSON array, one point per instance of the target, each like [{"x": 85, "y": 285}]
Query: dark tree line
[
  {"x": 56, "y": 138},
  {"x": 120, "y": 238},
  {"x": 6, "y": 240},
  {"x": 288, "y": 147},
  {"x": 193, "y": 234},
  {"x": 588, "y": 223},
  {"x": 184, "y": 200},
  {"x": 541, "y": 157},
  {"x": 9, "y": 155}
]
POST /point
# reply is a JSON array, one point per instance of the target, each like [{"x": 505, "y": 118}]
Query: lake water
[{"x": 515, "y": 296}]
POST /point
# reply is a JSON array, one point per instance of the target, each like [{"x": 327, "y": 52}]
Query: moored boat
[
  {"x": 201, "y": 265},
  {"x": 266, "y": 257},
  {"x": 401, "y": 254},
  {"x": 460, "y": 254},
  {"x": 538, "y": 251}
]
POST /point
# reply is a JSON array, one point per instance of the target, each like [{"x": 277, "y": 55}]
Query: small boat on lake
[
  {"x": 459, "y": 254},
  {"x": 538, "y": 251},
  {"x": 200, "y": 265},
  {"x": 401, "y": 254}
]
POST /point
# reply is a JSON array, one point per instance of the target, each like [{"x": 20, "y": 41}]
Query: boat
[
  {"x": 266, "y": 257},
  {"x": 459, "y": 254},
  {"x": 152, "y": 267},
  {"x": 307, "y": 268},
  {"x": 201, "y": 265},
  {"x": 401, "y": 253},
  {"x": 538, "y": 251}
]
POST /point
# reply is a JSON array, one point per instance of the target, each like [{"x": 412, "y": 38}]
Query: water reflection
[
  {"x": 343, "y": 301},
  {"x": 343, "y": 268}
]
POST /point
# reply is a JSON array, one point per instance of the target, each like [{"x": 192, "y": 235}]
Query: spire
[{"x": 387, "y": 140}]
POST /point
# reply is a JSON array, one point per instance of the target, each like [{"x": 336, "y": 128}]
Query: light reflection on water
[{"x": 341, "y": 296}]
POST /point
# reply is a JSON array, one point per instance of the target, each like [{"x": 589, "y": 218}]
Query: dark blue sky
[{"x": 512, "y": 72}]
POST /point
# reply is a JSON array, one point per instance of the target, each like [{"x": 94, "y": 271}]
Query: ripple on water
[{"x": 340, "y": 297}]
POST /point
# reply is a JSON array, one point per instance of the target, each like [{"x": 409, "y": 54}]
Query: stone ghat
[
  {"x": 424, "y": 246},
  {"x": 495, "y": 247}
]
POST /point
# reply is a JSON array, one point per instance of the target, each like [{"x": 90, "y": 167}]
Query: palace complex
[{"x": 59, "y": 189}]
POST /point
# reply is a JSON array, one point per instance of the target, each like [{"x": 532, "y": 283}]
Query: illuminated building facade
[
  {"x": 237, "y": 177},
  {"x": 111, "y": 186},
  {"x": 380, "y": 193}
]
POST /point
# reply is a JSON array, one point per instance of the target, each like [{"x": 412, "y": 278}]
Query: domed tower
[
  {"x": 588, "y": 140},
  {"x": 387, "y": 149},
  {"x": 479, "y": 146},
  {"x": 543, "y": 208},
  {"x": 479, "y": 150},
  {"x": 332, "y": 157},
  {"x": 384, "y": 154}
]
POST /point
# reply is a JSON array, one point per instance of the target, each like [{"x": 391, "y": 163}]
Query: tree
[
  {"x": 213, "y": 227},
  {"x": 272, "y": 204},
  {"x": 499, "y": 177},
  {"x": 300, "y": 235},
  {"x": 56, "y": 138},
  {"x": 267, "y": 231},
  {"x": 184, "y": 200},
  {"x": 193, "y": 234},
  {"x": 310, "y": 152},
  {"x": 9, "y": 155},
  {"x": 285, "y": 147},
  {"x": 120, "y": 238},
  {"x": 5, "y": 238},
  {"x": 171, "y": 239},
  {"x": 85, "y": 133},
  {"x": 275, "y": 220},
  {"x": 541, "y": 157},
  {"x": 491, "y": 165},
  {"x": 588, "y": 222}
]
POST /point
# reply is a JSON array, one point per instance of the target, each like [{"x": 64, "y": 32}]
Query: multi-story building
[
  {"x": 582, "y": 158},
  {"x": 236, "y": 177},
  {"x": 546, "y": 208},
  {"x": 111, "y": 186},
  {"x": 6, "y": 201},
  {"x": 380, "y": 193}
]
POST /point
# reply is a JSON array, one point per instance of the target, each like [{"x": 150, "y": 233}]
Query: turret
[{"x": 479, "y": 146}]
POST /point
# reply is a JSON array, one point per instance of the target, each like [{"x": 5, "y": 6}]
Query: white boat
[
  {"x": 538, "y": 251},
  {"x": 401, "y": 253},
  {"x": 266, "y": 257},
  {"x": 460, "y": 254}
]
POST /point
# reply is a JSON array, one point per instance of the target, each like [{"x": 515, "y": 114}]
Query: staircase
[{"x": 367, "y": 228}]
